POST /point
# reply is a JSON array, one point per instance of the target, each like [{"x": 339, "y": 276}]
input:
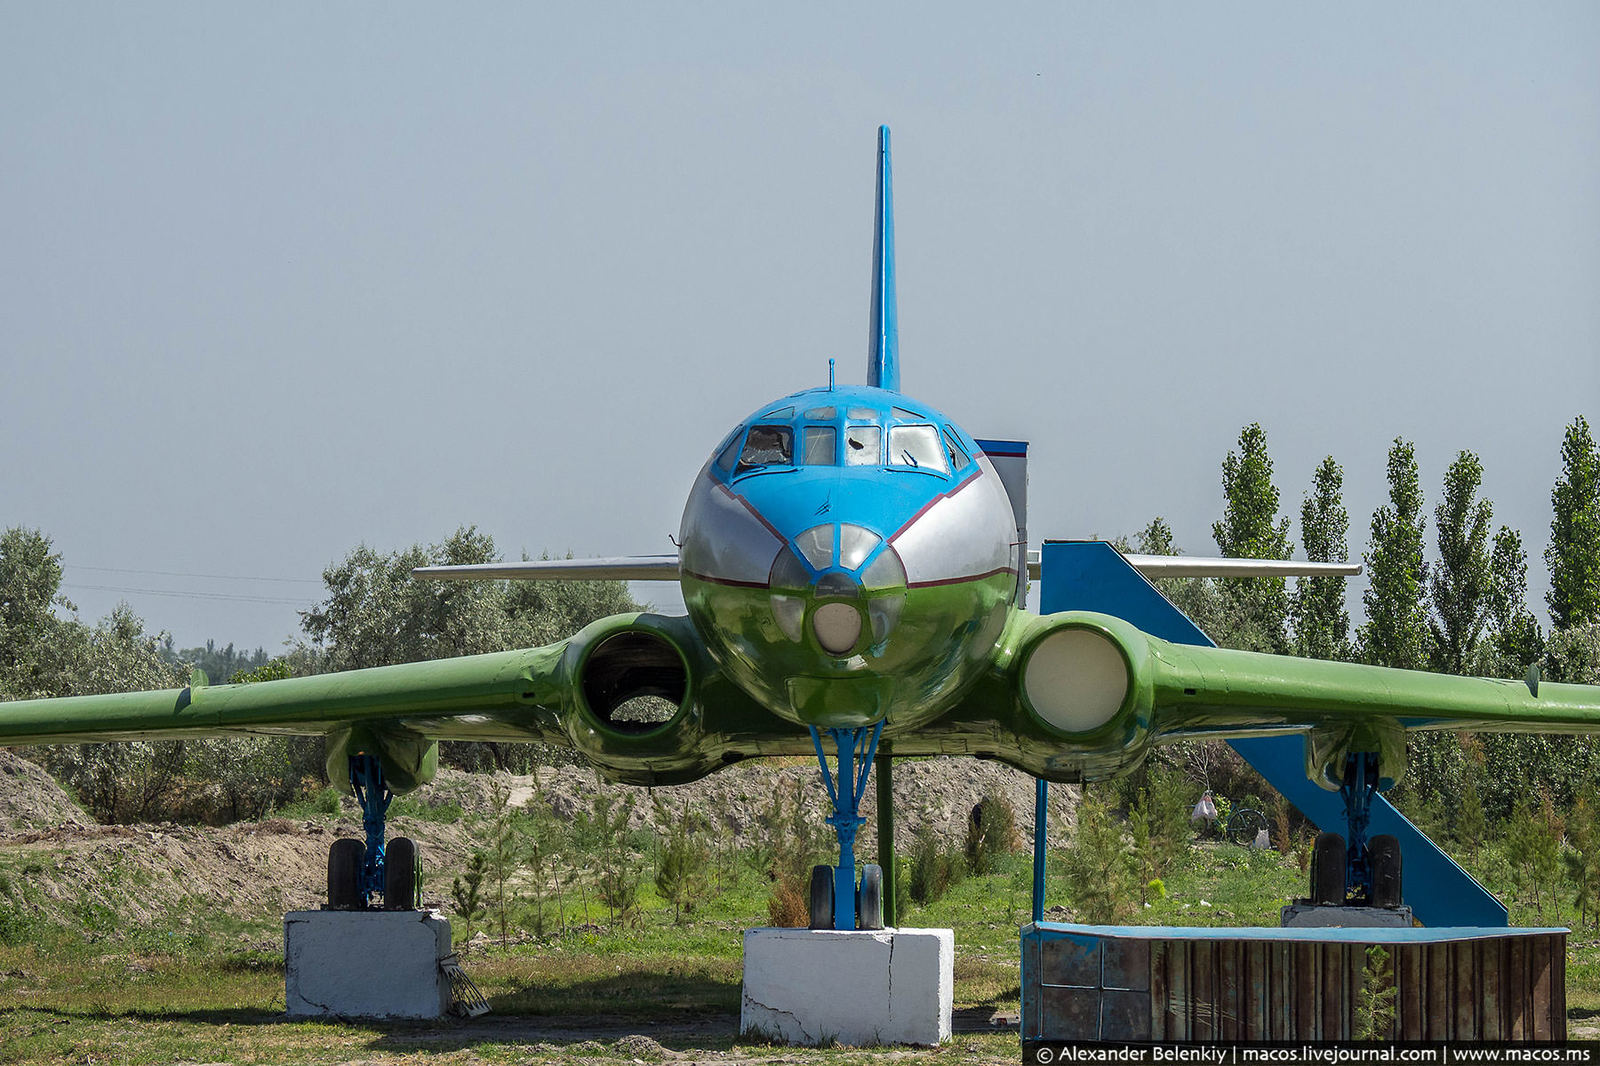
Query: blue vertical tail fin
[{"x": 883, "y": 345}]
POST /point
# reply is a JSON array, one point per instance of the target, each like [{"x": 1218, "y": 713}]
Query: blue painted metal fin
[
  {"x": 1093, "y": 576},
  {"x": 883, "y": 345}
]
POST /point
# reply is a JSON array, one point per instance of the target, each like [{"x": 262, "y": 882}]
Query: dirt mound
[
  {"x": 939, "y": 793},
  {"x": 84, "y": 872},
  {"x": 31, "y": 799}
]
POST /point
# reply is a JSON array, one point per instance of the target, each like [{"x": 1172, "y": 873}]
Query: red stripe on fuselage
[
  {"x": 728, "y": 581},
  {"x": 970, "y": 478},
  {"x": 959, "y": 580},
  {"x": 748, "y": 506}
]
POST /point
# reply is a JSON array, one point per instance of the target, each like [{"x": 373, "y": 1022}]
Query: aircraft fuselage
[{"x": 849, "y": 556}]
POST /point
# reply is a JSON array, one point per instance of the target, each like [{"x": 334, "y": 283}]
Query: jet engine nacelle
[
  {"x": 633, "y": 708},
  {"x": 1083, "y": 684}
]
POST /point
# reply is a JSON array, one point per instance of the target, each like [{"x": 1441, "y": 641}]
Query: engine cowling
[
  {"x": 632, "y": 698},
  {"x": 1083, "y": 682}
]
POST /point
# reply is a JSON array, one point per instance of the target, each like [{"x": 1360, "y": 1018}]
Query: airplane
[{"x": 853, "y": 570}]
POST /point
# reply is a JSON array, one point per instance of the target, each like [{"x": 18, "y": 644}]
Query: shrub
[{"x": 991, "y": 833}]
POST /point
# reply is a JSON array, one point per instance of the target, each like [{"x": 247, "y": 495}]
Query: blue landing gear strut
[
  {"x": 366, "y": 779},
  {"x": 1359, "y": 790},
  {"x": 1355, "y": 869},
  {"x": 855, "y": 748}
]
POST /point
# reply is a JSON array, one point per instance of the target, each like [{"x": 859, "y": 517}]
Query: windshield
[
  {"x": 918, "y": 447},
  {"x": 767, "y": 446}
]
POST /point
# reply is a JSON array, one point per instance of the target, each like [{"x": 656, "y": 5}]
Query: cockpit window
[
  {"x": 767, "y": 446},
  {"x": 819, "y": 446},
  {"x": 958, "y": 455},
  {"x": 730, "y": 452},
  {"x": 863, "y": 446},
  {"x": 918, "y": 447},
  {"x": 821, "y": 414}
]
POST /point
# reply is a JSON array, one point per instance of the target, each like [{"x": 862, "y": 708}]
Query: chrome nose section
[{"x": 839, "y": 586}]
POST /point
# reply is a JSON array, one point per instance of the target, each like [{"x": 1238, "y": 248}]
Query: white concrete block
[
  {"x": 365, "y": 964},
  {"x": 888, "y": 986}
]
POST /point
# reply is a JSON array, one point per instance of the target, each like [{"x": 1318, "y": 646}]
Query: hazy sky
[{"x": 279, "y": 279}]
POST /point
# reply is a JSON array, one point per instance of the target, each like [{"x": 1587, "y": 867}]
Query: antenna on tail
[{"x": 883, "y": 343}]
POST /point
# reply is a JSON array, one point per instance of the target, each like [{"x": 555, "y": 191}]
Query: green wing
[
  {"x": 566, "y": 694},
  {"x": 1080, "y": 694}
]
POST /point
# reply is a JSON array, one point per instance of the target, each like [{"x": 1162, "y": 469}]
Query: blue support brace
[
  {"x": 855, "y": 748},
  {"x": 366, "y": 778},
  {"x": 1041, "y": 807},
  {"x": 1092, "y": 576}
]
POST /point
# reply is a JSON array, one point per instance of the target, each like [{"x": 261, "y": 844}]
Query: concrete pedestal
[
  {"x": 813, "y": 987},
  {"x": 365, "y": 964}
]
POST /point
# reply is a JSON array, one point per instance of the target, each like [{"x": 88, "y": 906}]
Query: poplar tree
[
  {"x": 1461, "y": 584},
  {"x": 1514, "y": 641},
  {"x": 1321, "y": 623},
  {"x": 1255, "y": 610},
  {"x": 1574, "y": 552},
  {"x": 1396, "y": 631},
  {"x": 1196, "y": 597}
]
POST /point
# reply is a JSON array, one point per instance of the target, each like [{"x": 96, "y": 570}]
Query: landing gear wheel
[
  {"x": 1383, "y": 852},
  {"x": 1328, "y": 870},
  {"x": 869, "y": 898},
  {"x": 400, "y": 880},
  {"x": 822, "y": 897},
  {"x": 344, "y": 874}
]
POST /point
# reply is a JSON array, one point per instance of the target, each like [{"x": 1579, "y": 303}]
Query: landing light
[{"x": 837, "y": 626}]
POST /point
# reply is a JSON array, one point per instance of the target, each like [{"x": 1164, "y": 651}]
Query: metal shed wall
[{"x": 1169, "y": 984}]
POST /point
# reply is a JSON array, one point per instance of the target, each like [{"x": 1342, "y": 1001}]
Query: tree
[
  {"x": 1461, "y": 584},
  {"x": 1573, "y": 655},
  {"x": 1196, "y": 597},
  {"x": 467, "y": 892},
  {"x": 1255, "y": 610},
  {"x": 503, "y": 859},
  {"x": 42, "y": 655},
  {"x": 1396, "y": 632},
  {"x": 1321, "y": 623},
  {"x": 376, "y": 613},
  {"x": 683, "y": 869},
  {"x": 1514, "y": 640},
  {"x": 1574, "y": 552}
]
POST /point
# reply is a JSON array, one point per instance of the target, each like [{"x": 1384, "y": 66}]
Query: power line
[
  {"x": 188, "y": 595},
  {"x": 179, "y": 573}
]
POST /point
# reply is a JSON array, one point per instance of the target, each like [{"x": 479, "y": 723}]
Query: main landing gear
[
  {"x": 837, "y": 901},
  {"x": 1361, "y": 872},
  {"x": 357, "y": 871}
]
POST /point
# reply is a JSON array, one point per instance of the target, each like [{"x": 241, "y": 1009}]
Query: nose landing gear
[{"x": 837, "y": 901}]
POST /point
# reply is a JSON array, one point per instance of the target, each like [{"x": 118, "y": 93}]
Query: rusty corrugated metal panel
[{"x": 1088, "y": 982}]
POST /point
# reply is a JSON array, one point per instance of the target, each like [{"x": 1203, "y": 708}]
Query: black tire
[
  {"x": 1244, "y": 825},
  {"x": 400, "y": 875},
  {"x": 1384, "y": 855},
  {"x": 1328, "y": 870},
  {"x": 869, "y": 898},
  {"x": 822, "y": 897},
  {"x": 344, "y": 874}
]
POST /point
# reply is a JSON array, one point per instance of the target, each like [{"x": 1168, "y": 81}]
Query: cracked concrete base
[
  {"x": 815, "y": 987},
  {"x": 365, "y": 964}
]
